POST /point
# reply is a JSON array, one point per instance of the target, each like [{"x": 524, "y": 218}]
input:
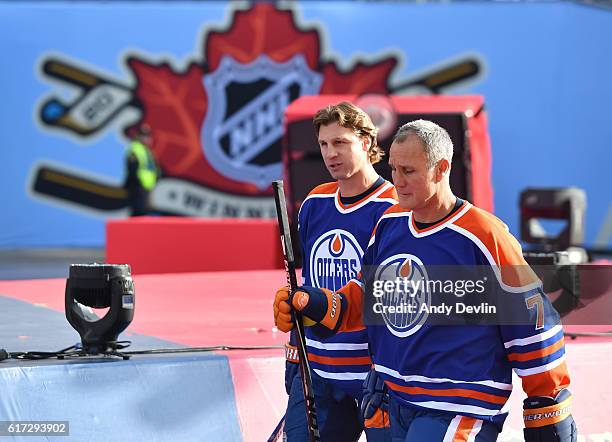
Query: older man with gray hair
[{"x": 420, "y": 160}]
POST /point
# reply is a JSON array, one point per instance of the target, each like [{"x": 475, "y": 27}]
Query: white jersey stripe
[
  {"x": 335, "y": 345},
  {"x": 394, "y": 215},
  {"x": 356, "y": 281},
  {"x": 447, "y": 406},
  {"x": 372, "y": 240},
  {"x": 387, "y": 185},
  {"x": 475, "y": 430},
  {"x": 446, "y": 223},
  {"x": 418, "y": 378},
  {"x": 319, "y": 195},
  {"x": 386, "y": 200},
  {"x": 346, "y": 376},
  {"x": 535, "y": 338},
  {"x": 541, "y": 368},
  {"x": 452, "y": 429}
]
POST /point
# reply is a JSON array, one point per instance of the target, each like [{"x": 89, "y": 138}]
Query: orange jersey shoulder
[
  {"x": 324, "y": 189},
  {"x": 396, "y": 208},
  {"x": 389, "y": 192},
  {"x": 500, "y": 246}
]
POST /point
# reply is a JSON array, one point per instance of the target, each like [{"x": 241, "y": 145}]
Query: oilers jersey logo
[
  {"x": 335, "y": 259},
  {"x": 403, "y": 307}
]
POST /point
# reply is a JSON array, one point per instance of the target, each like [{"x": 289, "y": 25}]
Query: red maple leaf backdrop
[{"x": 174, "y": 104}]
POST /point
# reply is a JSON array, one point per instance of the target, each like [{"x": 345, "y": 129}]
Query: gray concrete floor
[{"x": 45, "y": 263}]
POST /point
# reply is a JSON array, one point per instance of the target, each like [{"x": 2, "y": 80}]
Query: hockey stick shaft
[
  {"x": 276, "y": 435},
  {"x": 285, "y": 234}
]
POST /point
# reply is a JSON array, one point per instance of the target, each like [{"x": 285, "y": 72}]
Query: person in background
[{"x": 142, "y": 172}]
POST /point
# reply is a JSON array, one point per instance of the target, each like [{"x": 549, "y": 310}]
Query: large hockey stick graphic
[
  {"x": 100, "y": 99},
  {"x": 285, "y": 234},
  {"x": 72, "y": 187}
]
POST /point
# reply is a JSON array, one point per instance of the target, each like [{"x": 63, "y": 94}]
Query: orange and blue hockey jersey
[
  {"x": 334, "y": 237},
  {"x": 465, "y": 368}
]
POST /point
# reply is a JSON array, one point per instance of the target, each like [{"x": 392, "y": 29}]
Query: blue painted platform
[{"x": 147, "y": 398}]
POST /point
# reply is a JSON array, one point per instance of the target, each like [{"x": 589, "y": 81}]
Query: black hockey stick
[
  {"x": 277, "y": 434},
  {"x": 285, "y": 234}
]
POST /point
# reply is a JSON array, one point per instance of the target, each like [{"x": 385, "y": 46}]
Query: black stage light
[
  {"x": 565, "y": 204},
  {"x": 555, "y": 258},
  {"x": 100, "y": 286}
]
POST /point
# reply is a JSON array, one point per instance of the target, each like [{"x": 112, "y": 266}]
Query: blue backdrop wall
[{"x": 77, "y": 77}]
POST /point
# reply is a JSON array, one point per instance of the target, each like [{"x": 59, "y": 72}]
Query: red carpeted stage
[{"x": 234, "y": 308}]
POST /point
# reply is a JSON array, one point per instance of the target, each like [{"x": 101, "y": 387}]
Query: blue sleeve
[{"x": 533, "y": 340}]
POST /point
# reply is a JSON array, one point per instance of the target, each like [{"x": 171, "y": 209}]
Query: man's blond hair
[{"x": 350, "y": 116}]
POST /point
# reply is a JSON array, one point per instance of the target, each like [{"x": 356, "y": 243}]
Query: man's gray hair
[{"x": 435, "y": 139}]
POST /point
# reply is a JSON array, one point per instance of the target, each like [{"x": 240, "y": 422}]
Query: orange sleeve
[
  {"x": 547, "y": 383},
  {"x": 352, "y": 319}
]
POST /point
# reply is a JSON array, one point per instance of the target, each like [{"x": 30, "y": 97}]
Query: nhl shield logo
[{"x": 243, "y": 130}]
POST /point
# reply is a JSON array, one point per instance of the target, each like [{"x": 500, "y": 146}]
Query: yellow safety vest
[{"x": 147, "y": 169}]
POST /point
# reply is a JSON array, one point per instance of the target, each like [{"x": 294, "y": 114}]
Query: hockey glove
[
  {"x": 283, "y": 313},
  {"x": 317, "y": 305},
  {"x": 375, "y": 396},
  {"x": 549, "y": 420}
]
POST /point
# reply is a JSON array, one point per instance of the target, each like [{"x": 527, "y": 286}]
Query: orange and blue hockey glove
[{"x": 317, "y": 305}]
